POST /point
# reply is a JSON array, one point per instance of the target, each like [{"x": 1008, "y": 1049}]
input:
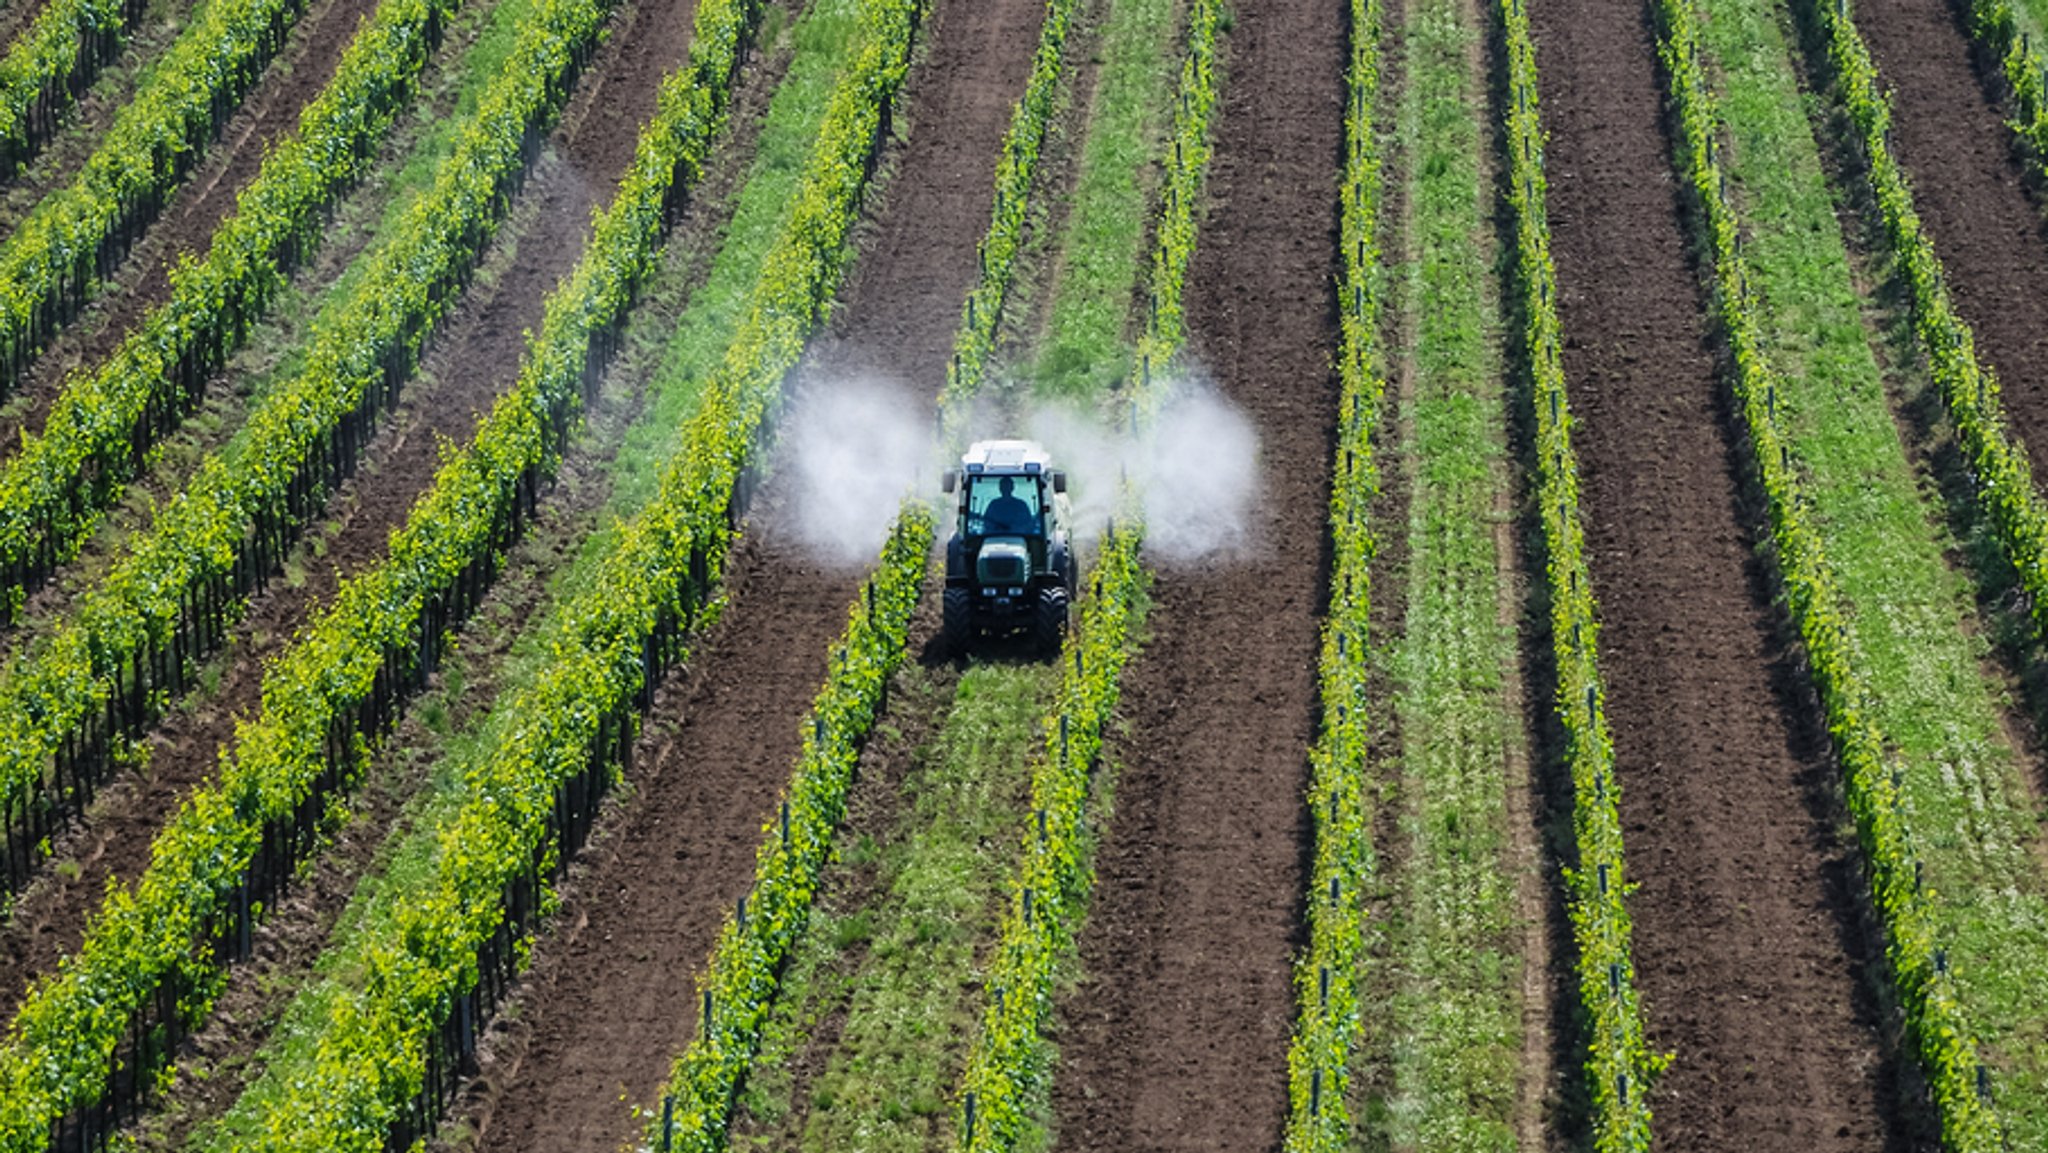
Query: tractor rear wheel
[
  {"x": 1051, "y": 623},
  {"x": 956, "y": 623}
]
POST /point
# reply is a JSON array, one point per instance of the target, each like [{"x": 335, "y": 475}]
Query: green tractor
[{"x": 1010, "y": 568}]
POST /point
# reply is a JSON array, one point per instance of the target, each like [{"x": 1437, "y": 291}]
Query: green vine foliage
[
  {"x": 165, "y": 600},
  {"x": 1998, "y": 464},
  {"x": 376, "y": 1050},
  {"x": 320, "y": 699},
  {"x": 746, "y": 965},
  {"x": 1007, "y": 1065},
  {"x": 74, "y": 237},
  {"x": 1934, "y": 1014},
  {"x": 1328, "y": 1024},
  {"x": 1619, "y": 1065},
  {"x": 50, "y": 64},
  {"x": 100, "y": 430}
]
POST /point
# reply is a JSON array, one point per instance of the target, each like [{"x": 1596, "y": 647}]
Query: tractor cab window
[{"x": 1003, "y": 506}]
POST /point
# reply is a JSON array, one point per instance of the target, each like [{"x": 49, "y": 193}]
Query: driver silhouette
[{"x": 1008, "y": 513}]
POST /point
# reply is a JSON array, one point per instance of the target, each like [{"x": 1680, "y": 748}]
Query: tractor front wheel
[{"x": 956, "y": 624}]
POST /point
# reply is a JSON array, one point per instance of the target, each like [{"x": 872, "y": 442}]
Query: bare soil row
[{"x": 1177, "y": 1035}]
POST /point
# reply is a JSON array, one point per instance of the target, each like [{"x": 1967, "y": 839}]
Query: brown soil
[
  {"x": 195, "y": 210},
  {"x": 600, "y": 1020},
  {"x": 1753, "y": 956},
  {"x": 1177, "y": 1036},
  {"x": 475, "y": 355},
  {"x": 1971, "y": 192}
]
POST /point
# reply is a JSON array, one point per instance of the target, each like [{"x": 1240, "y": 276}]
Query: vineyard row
[{"x": 1006, "y": 1067}]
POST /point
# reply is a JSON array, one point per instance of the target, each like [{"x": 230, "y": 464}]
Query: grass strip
[
  {"x": 122, "y": 652},
  {"x": 51, "y": 64},
  {"x": 100, "y": 431},
  {"x": 340, "y": 684},
  {"x": 1940, "y": 1025},
  {"x": 390, "y": 1034},
  {"x": 1456, "y": 1005},
  {"x": 1007, "y": 1070},
  {"x": 1910, "y": 614},
  {"x": 55, "y": 258},
  {"x": 1618, "y": 1063},
  {"x": 1328, "y": 1025},
  {"x": 1086, "y": 348},
  {"x": 747, "y": 964}
]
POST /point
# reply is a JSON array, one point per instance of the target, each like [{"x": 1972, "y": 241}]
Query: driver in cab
[{"x": 1007, "y": 513}]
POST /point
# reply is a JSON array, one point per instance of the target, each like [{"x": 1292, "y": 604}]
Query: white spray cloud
[
  {"x": 850, "y": 451},
  {"x": 1201, "y": 478},
  {"x": 1197, "y": 466}
]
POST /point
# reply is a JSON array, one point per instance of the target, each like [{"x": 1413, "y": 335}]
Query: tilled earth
[{"x": 1970, "y": 188}]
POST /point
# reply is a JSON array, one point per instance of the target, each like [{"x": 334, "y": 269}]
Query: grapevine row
[
  {"x": 53, "y": 261},
  {"x": 124, "y": 649},
  {"x": 337, "y": 688},
  {"x": 746, "y": 963},
  {"x": 1998, "y": 465},
  {"x": 1328, "y": 1023},
  {"x": 50, "y": 65},
  {"x": 1619, "y": 1064},
  {"x": 1051, "y": 886},
  {"x": 395, "y": 1037},
  {"x": 99, "y": 433},
  {"x": 1935, "y": 1019}
]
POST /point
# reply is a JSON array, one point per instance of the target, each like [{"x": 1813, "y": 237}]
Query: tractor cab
[{"x": 1009, "y": 566}]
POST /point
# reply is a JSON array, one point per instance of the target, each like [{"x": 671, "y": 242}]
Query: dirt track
[
  {"x": 608, "y": 1019},
  {"x": 1969, "y": 186},
  {"x": 473, "y": 358},
  {"x": 1177, "y": 1037},
  {"x": 1753, "y": 963}
]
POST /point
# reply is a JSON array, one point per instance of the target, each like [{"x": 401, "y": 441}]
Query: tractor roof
[{"x": 1005, "y": 456}]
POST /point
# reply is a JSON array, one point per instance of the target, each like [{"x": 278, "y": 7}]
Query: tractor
[{"x": 1010, "y": 567}]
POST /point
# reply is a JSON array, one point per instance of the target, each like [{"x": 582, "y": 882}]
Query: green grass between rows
[
  {"x": 910, "y": 1003},
  {"x": 1912, "y": 617},
  {"x": 1455, "y": 1013},
  {"x": 1086, "y": 348}
]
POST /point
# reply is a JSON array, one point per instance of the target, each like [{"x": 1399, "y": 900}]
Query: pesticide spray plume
[
  {"x": 851, "y": 450},
  {"x": 1195, "y": 462}
]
